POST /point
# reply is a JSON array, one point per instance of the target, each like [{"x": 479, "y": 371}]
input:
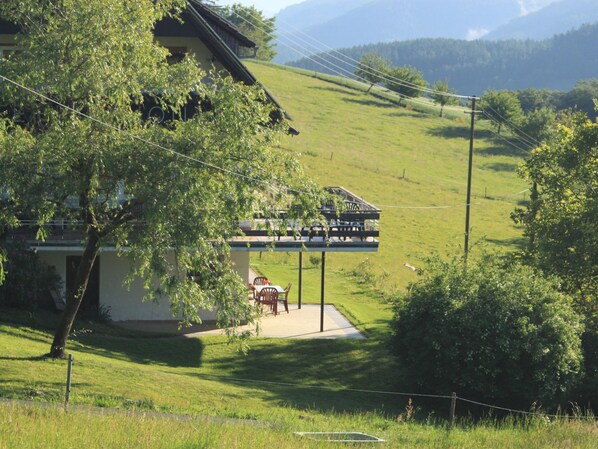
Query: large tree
[
  {"x": 255, "y": 25},
  {"x": 79, "y": 138},
  {"x": 561, "y": 223},
  {"x": 562, "y": 219}
]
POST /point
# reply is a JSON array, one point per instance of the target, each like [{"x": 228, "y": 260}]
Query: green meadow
[{"x": 411, "y": 164}]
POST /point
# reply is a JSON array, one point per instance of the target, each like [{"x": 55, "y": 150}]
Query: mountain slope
[
  {"x": 339, "y": 23},
  {"x": 471, "y": 67},
  {"x": 556, "y": 18}
]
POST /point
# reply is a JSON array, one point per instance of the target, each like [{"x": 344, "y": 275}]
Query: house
[{"x": 213, "y": 42}]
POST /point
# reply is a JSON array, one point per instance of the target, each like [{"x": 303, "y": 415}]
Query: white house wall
[{"x": 126, "y": 302}]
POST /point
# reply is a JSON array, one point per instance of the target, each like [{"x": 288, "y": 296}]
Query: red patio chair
[
  {"x": 261, "y": 280},
  {"x": 269, "y": 297},
  {"x": 284, "y": 297}
]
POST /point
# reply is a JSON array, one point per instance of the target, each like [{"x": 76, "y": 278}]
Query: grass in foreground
[{"x": 30, "y": 426}]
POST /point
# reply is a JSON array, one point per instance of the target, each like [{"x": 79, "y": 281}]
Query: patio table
[{"x": 279, "y": 289}]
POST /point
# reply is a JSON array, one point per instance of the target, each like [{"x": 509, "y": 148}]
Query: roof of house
[
  {"x": 205, "y": 21},
  {"x": 212, "y": 29}
]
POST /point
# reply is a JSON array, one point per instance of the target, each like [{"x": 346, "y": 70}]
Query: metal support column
[
  {"x": 322, "y": 292},
  {"x": 300, "y": 276}
]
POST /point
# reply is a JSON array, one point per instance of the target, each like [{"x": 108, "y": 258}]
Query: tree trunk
[
  {"x": 370, "y": 88},
  {"x": 74, "y": 297}
]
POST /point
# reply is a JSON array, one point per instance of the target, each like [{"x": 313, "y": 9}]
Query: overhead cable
[{"x": 347, "y": 73}]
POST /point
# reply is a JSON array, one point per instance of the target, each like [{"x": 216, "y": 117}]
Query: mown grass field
[
  {"x": 292, "y": 385},
  {"x": 366, "y": 143}
]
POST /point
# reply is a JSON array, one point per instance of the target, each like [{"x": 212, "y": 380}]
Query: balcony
[{"x": 352, "y": 227}]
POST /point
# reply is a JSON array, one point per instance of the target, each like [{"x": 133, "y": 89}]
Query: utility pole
[{"x": 469, "y": 173}]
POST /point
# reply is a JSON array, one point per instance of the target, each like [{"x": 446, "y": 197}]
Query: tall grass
[{"x": 28, "y": 427}]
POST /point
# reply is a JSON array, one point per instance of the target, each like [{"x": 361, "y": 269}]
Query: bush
[
  {"x": 28, "y": 281},
  {"x": 489, "y": 331}
]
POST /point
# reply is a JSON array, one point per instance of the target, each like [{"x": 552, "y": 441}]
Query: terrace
[{"x": 353, "y": 227}]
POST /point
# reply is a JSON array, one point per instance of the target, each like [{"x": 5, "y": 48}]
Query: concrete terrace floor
[{"x": 298, "y": 323}]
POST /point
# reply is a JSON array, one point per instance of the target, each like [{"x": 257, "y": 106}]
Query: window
[{"x": 177, "y": 54}]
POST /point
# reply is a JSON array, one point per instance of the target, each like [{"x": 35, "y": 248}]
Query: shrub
[
  {"x": 490, "y": 331},
  {"x": 28, "y": 281}
]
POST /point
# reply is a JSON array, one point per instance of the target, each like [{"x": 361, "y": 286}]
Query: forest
[{"x": 472, "y": 67}]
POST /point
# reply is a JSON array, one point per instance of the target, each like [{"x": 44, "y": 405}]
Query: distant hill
[
  {"x": 345, "y": 23},
  {"x": 556, "y": 18},
  {"x": 472, "y": 67},
  {"x": 314, "y": 12}
]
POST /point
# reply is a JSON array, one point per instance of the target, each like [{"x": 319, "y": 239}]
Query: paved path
[{"x": 299, "y": 323}]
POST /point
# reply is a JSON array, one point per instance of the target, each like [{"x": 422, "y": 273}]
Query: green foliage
[
  {"x": 188, "y": 182},
  {"x": 537, "y": 125},
  {"x": 252, "y": 22},
  {"x": 533, "y": 99},
  {"x": 581, "y": 97},
  {"x": 562, "y": 221},
  {"x": 439, "y": 96},
  {"x": 501, "y": 108},
  {"x": 406, "y": 81},
  {"x": 372, "y": 68},
  {"x": 490, "y": 331},
  {"x": 28, "y": 281}
]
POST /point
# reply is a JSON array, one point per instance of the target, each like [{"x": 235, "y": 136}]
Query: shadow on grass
[
  {"x": 338, "y": 90},
  {"x": 134, "y": 346},
  {"x": 518, "y": 242},
  {"x": 508, "y": 147},
  {"x": 371, "y": 101},
  {"x": 502, "y": 167},
  {"x": 338, "y": 365},
  {"x": 402, "y": 111},
  {"x": 458, "y": 132},
  {"x": 171, "y": 351}
]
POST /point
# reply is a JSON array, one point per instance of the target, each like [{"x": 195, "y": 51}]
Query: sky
[{"x": 269, "y": 7}]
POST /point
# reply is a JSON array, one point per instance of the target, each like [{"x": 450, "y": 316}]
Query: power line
[
  {"x": 170, "y": 150},
  {"x": 145, "y": 141},
  {"x": 458, "y": 206},
  {"x": 340, "y": 70},
  {"x": 530, "y": 140},
  {"x": 509, "y": 142},
  {"x": 369, "y": 69}
]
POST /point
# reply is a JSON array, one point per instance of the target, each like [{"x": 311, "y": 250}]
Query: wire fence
[{"x": 453, "y": 396}]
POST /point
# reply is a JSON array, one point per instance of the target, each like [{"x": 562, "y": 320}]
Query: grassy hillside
[
  {"x": 365, "y": 144},
  {"x": 140, "y": 373}
]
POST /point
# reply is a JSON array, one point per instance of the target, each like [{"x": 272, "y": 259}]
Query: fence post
[
  {"x": 69, "y": 372},
  {"x": 453, "y": 407}
]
